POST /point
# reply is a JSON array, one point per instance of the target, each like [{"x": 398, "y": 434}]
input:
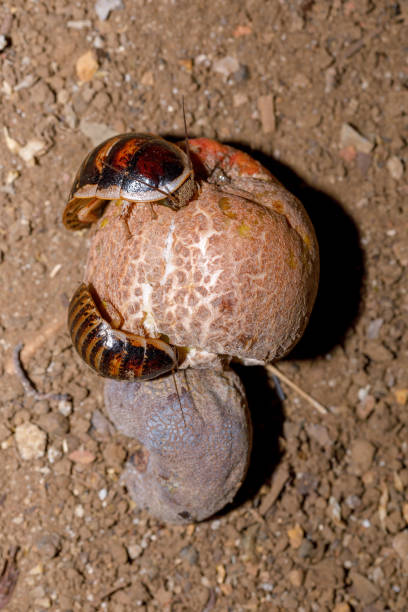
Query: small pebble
[
  {"x": 300, "y": 80},
  {"x": 373, "y": 329},
  {"x": 239, "y": 99},
  {"x": 119, "y": 553},
  {"x": 395, "y": 167},
  {"x": 4, "y": 432},
  {"x": 86, "y": 66},
  {"x": 31, "y": 441},
  {"x": 400, "y": 545},
  {"x": 401, "y": 395},
  {"x": 80, "y": 24},
  {"x": 376, "y": 351},
  {"x": 361, "y": 455},
  {"x": 54, "y": 423},
  {"x": 48, "y": 545},
  {"x": 365, "y": 408},
  {"x": 189, "y": 554},
  {"x": 226, "y": 66},
  {"x": 296, "y": 578},
  {"x": 295, "y": 536},
  {"x": 363, "y": 589},
  {"x": 266, "y": 109},
  {"x": 134, "y": 551},
  {"x": 342, "y": 607},
  {"x": 43, "y": 603},
  {"x": 3, "y": 42},
  {"x": 65, "y": 407},
  {"x": 101, "y": 424},
  {"x": 79, "y": 511},
  {"x": 242, "y": 74},
  {"x": 102, "y": 494},
  {"x": 306, "y": 549},
  {"x": 96, "y": 132},
  {"x": 334, "y": 510},
  {"x": 101, "y": 101},
  {"x": 114, "y": 454},
  {"x": 147, "y": 78},
  {"x": 320, "y": 434},
  {"x": 104, "y": 7},
  {"x": 221, "y": 573},
  {"x": 349, "y": 137},
  {"x": 401, "y": 252},
  {"x": 53, "y": 454}
]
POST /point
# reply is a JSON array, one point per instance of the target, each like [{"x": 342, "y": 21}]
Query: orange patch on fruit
[{"x": 246, "y": 165}]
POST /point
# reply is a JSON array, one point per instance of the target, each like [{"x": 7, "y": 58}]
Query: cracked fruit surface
[{"x": 235, "y": 272}]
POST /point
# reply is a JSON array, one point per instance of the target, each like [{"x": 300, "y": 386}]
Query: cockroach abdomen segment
[{"x": 114, "y": 353}]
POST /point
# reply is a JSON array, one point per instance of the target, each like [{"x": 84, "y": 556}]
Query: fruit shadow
[
  {"x": 337, "y": 308},
  {"x": 267, "y": 416}
]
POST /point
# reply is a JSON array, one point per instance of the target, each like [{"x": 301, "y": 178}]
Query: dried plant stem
[
  {"x": 274, "y": 371},
  {"x": 8, "y": 577},
  {"x": 40, "y": 338},
  {"x": 29, "y": 388}
]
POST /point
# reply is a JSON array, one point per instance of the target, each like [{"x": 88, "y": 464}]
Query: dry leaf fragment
[
  {"x": 295, "y": 536},
  {"x": 401, "y": 395},
  {"x": 86, "y": 66},
  {"x": 81, "y": 456},
  {"x": 242, "y": 30}
]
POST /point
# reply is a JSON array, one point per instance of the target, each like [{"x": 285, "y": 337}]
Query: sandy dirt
[{"x": 317, "y": 91}]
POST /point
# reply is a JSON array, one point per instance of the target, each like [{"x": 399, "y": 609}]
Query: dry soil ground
[{"x": 317, "y": 90}]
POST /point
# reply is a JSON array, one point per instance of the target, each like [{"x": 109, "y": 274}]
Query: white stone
[
  {"x": 102, "y": 494},
  {"x": 226, "y": 66},
  {"x": 395, "y": 167},
  {"x": 104, "y": 7},
  {"x": 31, "y": 441},
  {"x": 79, "y": 511},
  {"x": 350, "y": 137}
]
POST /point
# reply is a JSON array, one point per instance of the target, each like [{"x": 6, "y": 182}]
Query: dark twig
[
  {"x": 211, "y": 601},
  {"x": 29, "y": 388},
  {"x": 8, "y": 578},
  {"x": 278, "y": 387},
  {"x": 274, "y": 371}
]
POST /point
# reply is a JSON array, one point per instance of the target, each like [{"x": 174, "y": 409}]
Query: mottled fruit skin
[
  {"x": 195, "y": 444},
  {"x": 132, "y": 167},
  {"x": 233, "y": 273},
  {"x": 113, "y": 353}
]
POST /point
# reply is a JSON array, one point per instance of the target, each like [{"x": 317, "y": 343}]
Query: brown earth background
[{"x": 317, "y": 91}]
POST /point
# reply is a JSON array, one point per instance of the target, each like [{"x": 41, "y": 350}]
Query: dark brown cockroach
[
  {"x": 114, "y": 353},
  {"x": 135, "y": 168}
]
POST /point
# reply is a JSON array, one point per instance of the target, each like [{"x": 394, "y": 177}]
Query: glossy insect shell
[
  {"x": 133, "y": 167},
  {"x": 114, "y": 353}
]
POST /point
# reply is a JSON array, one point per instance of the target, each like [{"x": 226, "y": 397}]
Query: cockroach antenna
[
  {"x": 178, "y": 395},
  {"x": 190, "y": 165}
]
